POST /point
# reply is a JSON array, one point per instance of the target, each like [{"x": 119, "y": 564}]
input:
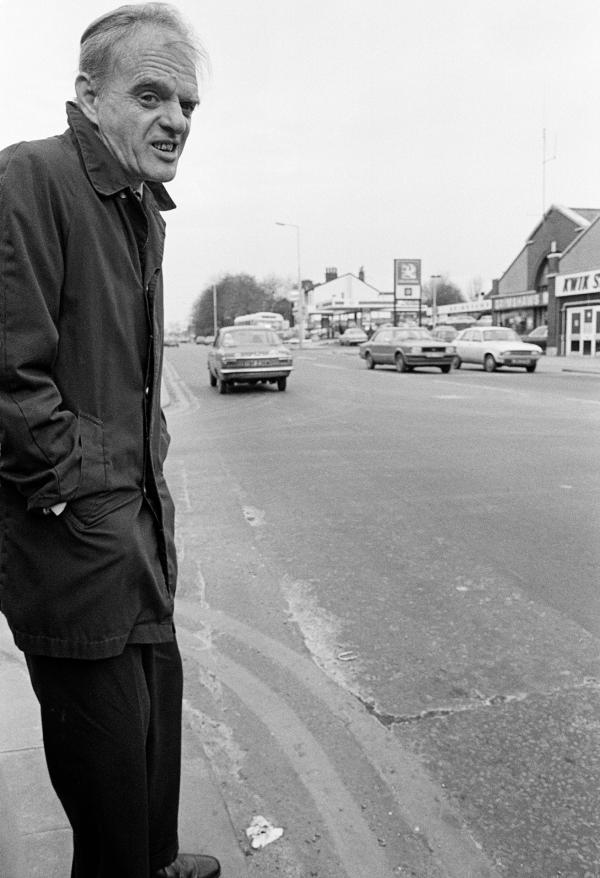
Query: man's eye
[
  {"x": 187, "y": 108},
  {"x": 149, "y": 99}
]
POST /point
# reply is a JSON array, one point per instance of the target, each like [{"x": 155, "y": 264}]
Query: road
[{"x": 390, "y": 617}]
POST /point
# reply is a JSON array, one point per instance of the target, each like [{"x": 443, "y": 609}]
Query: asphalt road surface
[{"x": 390, "y": 614}]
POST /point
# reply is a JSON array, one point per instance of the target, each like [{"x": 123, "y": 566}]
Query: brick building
[{"x": 526, "y": 294}]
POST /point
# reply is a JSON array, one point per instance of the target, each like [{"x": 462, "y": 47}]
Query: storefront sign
[
  {"x": 573, "y": 284},
  {"x": 525, "y": 300},
  {"x": 407, "y": 280}
]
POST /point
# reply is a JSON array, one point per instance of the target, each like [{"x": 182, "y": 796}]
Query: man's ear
[{"x": 87, "y": 97}]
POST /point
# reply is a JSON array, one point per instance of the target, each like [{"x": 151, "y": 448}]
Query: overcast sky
[{"x": 383, "y": 128}]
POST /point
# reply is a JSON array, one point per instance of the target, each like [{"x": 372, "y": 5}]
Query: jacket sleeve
[{"x": 39, "y": 440}]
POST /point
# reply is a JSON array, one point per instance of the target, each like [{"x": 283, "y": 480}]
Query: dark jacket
[{"x": 81, "y": 333}]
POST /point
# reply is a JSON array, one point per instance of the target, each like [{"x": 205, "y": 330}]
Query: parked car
[
  {"x": 204, "y": 339},
  {"x": 537, "y": 336},
  {"x": 171, "y": 341},
  {"x": 248, "y": 355},
  {"x": 354, "y": 335},
  {"x": 405, "y": 348},
  {"x": 446, "y": 333},
  {"x": 493, "y": 347}
]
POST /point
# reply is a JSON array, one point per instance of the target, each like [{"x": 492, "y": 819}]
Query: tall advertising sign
[
  {"x": 407, "y": 283},
  {"x": 407, "y": 286}
]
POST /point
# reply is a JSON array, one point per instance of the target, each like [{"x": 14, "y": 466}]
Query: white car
[{"x": 493, "y": 347}]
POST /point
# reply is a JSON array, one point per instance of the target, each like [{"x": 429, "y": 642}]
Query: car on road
[
  {"x": 353, "y": 336},
  {"x": 248, "y": 355},
  {"x": 446, "y": 333},
  {"x": 493, "y": 347},
  {"x": 171, "y": 341},
  {"x": 538, "y": 336},
  {"x": 406, "y": 347}
]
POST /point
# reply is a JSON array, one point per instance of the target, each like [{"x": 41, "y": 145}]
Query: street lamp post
[
  {"x": 434, "y": 279},
  {"x": 300, "y": 312}
]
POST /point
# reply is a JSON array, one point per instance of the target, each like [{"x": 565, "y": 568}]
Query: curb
[{"x": 35, "y": 837}]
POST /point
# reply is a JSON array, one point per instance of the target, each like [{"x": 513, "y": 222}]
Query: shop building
[
  {"x": 347, "y": 300},
  {"x": 574, "y": 295},
  {"x": 522, "y": 298}
]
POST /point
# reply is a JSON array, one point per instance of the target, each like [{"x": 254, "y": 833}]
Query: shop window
[
  {"x": 587, "y": 347},
  {"x": 576, "y": 323},
  {"x": 574, "y": 345}
]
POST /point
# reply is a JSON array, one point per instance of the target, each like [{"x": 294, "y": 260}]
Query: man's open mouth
[{"x": 165, "y": 146}]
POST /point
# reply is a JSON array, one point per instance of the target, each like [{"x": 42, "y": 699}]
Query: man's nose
[{"x": 173, "y": 117}]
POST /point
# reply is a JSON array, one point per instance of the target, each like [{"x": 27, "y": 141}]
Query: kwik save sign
[
  {"x": 583, "y": 282},
  {"x": 407, "y": 283}
]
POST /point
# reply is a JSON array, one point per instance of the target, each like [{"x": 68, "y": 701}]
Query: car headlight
[{"x": 450, "y": 349}]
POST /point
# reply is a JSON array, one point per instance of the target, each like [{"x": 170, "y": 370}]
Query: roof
[
  {"x": 582, "y": 217},
  {"x": 347, "y": 274},
  {"x": 576, "y": 240}
]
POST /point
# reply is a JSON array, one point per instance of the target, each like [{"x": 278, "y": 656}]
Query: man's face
[{"x": 144, "y": 109}]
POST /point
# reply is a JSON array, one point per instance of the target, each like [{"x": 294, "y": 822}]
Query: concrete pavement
[{"x": 35, "y": 838}]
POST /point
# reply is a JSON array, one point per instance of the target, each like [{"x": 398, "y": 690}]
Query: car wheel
[
  {"x": 221, "y": 385},
  {"x": 212, "y": 379},
  {"x": 531, "y": 367},
  {"x": 489, "y": 363},
  {"x": 281, "y": 383},
  {"x": 456, "y": 362},
  {"x": 445, "y": 369},
  {"x": 400, "y": 363},
  {"x": 369, "y": 361}
]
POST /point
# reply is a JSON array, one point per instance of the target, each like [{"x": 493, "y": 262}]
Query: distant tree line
[
  {"x": 446, "y": 292},
  {"x": 238, "y": 294}
]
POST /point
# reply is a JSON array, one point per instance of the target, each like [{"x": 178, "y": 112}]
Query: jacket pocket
[{"x": 94, "y": 466}]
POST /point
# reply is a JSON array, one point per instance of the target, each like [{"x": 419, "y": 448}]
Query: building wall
[
  {"x": 585, "y": 255},
  {"x": 556, "y": 229},
  {"x": 514, "y": 279}
]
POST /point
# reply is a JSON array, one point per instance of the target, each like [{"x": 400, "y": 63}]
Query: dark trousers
[{"x": 112, "y": 738}]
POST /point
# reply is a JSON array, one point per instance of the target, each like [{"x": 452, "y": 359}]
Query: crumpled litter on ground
[{"x": 261, "y": 832}]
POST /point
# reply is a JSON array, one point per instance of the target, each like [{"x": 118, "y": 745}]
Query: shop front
[
  {"x": 578, "y": 300},
  {"x": 521, "y": 312}
]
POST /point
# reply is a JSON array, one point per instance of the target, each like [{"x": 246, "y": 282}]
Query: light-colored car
[
  {"x": 493, "y": 347},
  {"x": 248, "y": 355},
  {"x": 354, "y": 335},
  {"x": 406, "y": 347}
]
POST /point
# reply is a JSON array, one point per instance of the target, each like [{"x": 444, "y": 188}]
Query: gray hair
[{"x": 101, "y": 40}]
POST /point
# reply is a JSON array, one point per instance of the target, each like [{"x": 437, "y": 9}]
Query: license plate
[{"x": 520, "y": 361}]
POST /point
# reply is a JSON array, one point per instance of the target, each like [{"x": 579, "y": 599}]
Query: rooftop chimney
[{"x": 330, "y": 274}]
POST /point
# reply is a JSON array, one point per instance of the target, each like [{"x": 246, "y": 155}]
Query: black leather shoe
[{"x": 191, "y": 866}]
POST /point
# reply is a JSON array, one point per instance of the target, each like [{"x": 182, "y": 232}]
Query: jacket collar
[{"x": 105, "y": 174}]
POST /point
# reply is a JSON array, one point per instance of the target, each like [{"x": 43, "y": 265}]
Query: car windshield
[
  {"x": 249, "y": 337},
  {"x": 412, "y": 333},
  {"x": 539, "y": 332},
  {"x": 500, "y": 335}
]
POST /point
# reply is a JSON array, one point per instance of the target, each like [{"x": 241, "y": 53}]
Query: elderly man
[{"x": 87, "y": 558}]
